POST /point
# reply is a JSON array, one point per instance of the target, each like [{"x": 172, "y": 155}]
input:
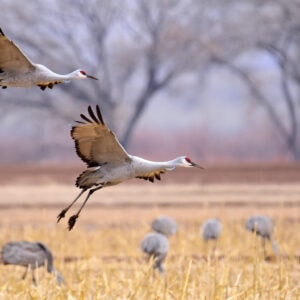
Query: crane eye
[{"x": 82, "y": 72}]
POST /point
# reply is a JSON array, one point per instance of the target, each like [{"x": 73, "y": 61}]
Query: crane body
[{"x": 164, "y": 225}]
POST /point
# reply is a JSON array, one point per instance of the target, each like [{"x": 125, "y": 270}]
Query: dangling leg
[
  {"x": 72, "y": 219},
  {"x": 63, "y": 212}
]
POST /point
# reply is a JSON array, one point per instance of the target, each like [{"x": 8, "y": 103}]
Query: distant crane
[
  {"x": 262, "y": 226},
  {"x": 16, "y": 70},
  {"x": 211, "y": 230},
  {"x": 108, "y": 162},
  {"x": 156, "y": 246},
  {"x": 29, "y": 254},
  {"x": 164, "y": 225}
]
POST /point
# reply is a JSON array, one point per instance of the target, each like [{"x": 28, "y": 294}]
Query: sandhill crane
[
  {"x": 108, "y": 162},
  {"x": 156, "y": 246},
  {"x": 29, "y": 254},
  {"x": 211, "y": 230},
  {"x": 16, "y": 70},
  {"x": 262, "y": 226},
  {"x": 164, "y": 225}
]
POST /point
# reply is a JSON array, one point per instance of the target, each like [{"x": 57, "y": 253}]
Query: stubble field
[{"x": 101, "y": 257}]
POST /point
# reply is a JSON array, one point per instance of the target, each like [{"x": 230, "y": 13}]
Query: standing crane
[
  {"x": 16, "y": 70},
  {"x": 156, "y": 246},
  {"x": 29, "y": 254},
  {"x": 262, "y": 226},
  {"x": 211, "y": 230},
  {"x": 164, "y": 225},
  {"x": 108, "y": 162}
]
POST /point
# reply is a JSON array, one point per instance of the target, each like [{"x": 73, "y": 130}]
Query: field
[{"x": 101, "y": 257}]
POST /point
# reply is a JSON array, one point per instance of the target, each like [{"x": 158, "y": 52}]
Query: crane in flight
[
  {"x": 108, "y": 162},
  {"x": 16, "y": 70}
]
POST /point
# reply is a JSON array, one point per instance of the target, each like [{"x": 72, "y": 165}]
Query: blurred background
[{"x": 215, "y": 80}]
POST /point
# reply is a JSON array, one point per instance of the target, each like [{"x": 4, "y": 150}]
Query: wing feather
[
  {"x": 11, "y": 57},
  {"x": 93, "y": 115},
  {"x": 95, "y": 143},
  {"x": 85, "y": 118},
  {"x": 99, "y": 115},
  {"x": 153, "y": 175}
]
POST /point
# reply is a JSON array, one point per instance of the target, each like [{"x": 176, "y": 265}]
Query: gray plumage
[
  {"x": 156, "y": 245},
  {"x": 211, "y": 229},
  {"x": 262, "y": 226},
  {"x": 164, "y": 225},
  {"x": 29, "y": 254}
]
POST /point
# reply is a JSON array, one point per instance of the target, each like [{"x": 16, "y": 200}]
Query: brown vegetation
[{"x": 100, "y": 258}]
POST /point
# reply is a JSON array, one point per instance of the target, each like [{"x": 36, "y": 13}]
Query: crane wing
[
  {"x": 152, "y": 175},
  {"x": 95, "y": 143},
  {"x": 11, "y": 57}
]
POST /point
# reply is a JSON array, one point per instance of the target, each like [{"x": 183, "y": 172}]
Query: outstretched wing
[
  {"x": 11, "y": 57},
  {"x": 95, "y": 143}
]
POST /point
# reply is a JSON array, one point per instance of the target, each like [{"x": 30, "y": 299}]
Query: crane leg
[
  {"x": 63, "y": 212},
  {"x": 72, "y": 219},
  {"x": 33, "y": 277},
  {"x": 25, "y": 273},
  {"x": 214, "y": 248},
  {"x": 264, "y": 247},
  {"x": 159, "y": 259}
]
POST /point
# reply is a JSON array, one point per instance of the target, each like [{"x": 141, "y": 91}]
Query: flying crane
[
  {"x": 17, "y": 70},
  {"x": 108, "y": 162}
]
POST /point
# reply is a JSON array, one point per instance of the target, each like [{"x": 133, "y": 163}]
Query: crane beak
[
  {"x": 196, "y": 165},
  {"x": 92, "y": 77}
]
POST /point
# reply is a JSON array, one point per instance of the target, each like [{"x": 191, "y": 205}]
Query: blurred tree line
[{"x": 140, "y": 48}]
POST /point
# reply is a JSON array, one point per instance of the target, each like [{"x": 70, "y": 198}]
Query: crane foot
[
  {"x": 61, "y": 215},
  {"x": 72, "y": 221}
]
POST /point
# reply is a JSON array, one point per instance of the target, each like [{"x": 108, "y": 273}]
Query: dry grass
[{"x": 101, "y": 259}]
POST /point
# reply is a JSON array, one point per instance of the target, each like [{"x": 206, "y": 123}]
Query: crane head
[
  {"x": 187, "y": 162},
  {"x": 83, "y": 74}
]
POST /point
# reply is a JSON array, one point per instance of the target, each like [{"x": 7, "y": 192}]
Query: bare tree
[
  {"x": 271, "y": 29},
  {"x": 141, "y": 49},
  {"x": 155, "y": 44}
]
